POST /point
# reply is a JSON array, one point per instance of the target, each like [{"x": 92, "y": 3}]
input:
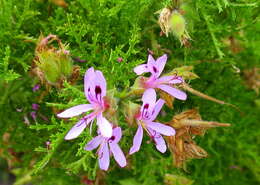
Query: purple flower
[
  {"x": 33, "y": 115},
  {"x": 108, "y": 146},
  {"x": 95, "y": 91},
  {"x": 35, "y": 106},
  {"x": 165, "y": 82},
  {"x": 145, "y": 119},
  {"x": 36, "y": 87}
]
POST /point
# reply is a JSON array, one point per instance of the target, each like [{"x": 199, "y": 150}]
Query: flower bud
[
  {"x": 53, "y": 65},
  {"x": 177, "y": 24},
  {"x": 138, "y": 86}
]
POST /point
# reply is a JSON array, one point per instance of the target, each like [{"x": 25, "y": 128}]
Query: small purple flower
[
  {"x": 48, "y": 145},
  {"x": 33, "y": 115},
  {"x": 164, "y": 83},
  {"x": 108, "y": 146},
  {"x": 145, "y": 120},
  {"x": 95, "y": 91},
  {"x": 120, "y": 59},
  {"x": 36, "y": 87},
  {"x": 35, "y": 106}
]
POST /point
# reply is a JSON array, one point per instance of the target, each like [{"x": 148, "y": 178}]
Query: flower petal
[
  {"x": 102, "y": 82},
  {"x": 149, "y": 96},
  {"x": 117, "y": 133},
  {"x": 160, "y": 143},
  {"x": 118, "y": 154},
  {"x": 160, "y": 62},
  {"x": 176, "y": 80},
  {"x": 103, "y": 155},
  {"x": 75, "y": 111},
  {"x": 170, "y": 80},
  {"x": 161, "y": 128},
  {"x": 137, "y": 140},
  {"x": 157, "y": 108},
  {"x": 149, "y": 99},
  {"x": 173, "y": 92},
  {"x": 141, "y": 69},
  {"x": 76, "y": 130},
  {"x": 94, "y": 143},
  {"x": 150, "y": 60},
  {"x": 152, "y": 66},
  {"x": 158, "y": 139},
  {"x": 89, "y": 75},
  {"x": 94, "y": 86},
  {"x": 165, "y": 79},
  {"x": 104, "y": 126}
]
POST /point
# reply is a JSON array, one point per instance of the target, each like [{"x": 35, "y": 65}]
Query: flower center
[{"x": 150, "y": 82}]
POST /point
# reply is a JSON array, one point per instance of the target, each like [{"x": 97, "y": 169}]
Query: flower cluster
[{"x": 109, "y": 134}]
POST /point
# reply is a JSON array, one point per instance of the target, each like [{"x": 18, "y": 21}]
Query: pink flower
[
  {"x": 36, "y": 87},
  {"x": 165, "y": 82},
  {"x": 33, "y": 115},
  {"x": 145, "y": 119},
  {"x": 95, "y": 91},
  {"x": 108, "y": 146},
  {"x": 120, "y": 59}
]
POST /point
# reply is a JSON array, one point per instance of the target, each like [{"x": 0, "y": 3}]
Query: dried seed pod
[
  {"x": 252, "y": 77},
  {"x": 164, "y": 19},
  {"x": 174, "y": 22},
  {"x": 188, "y": 124}
]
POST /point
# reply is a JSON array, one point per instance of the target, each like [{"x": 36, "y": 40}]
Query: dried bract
[
  {"x": 252, "y": 77},
  {"x": 174, "y": 22},
  {"x": 164, "y": 19}
]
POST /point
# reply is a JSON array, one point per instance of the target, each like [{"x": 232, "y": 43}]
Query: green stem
[
  {"x": 125, "y": 94},
  {"x": 41, "y": 164}
]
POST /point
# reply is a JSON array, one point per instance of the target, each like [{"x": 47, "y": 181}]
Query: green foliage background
[{"x": 100, "y": 31}]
